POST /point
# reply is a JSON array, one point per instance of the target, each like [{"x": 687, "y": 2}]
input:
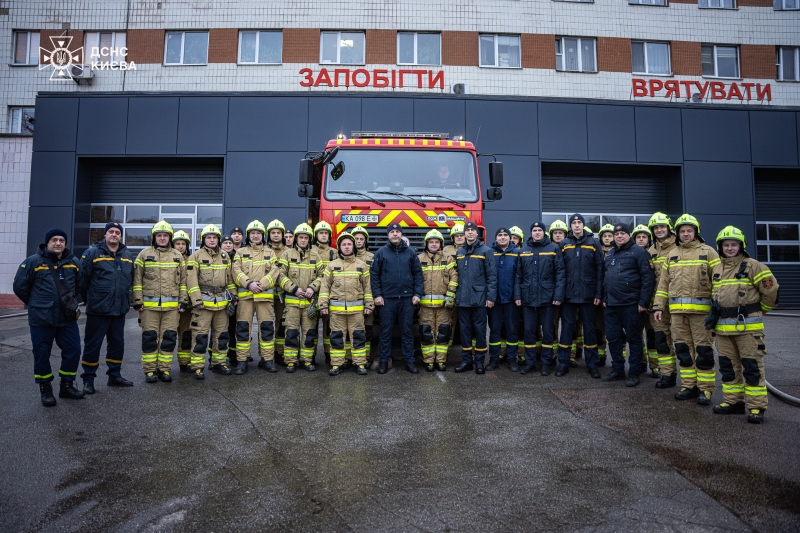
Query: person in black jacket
[
  {"x": 505, "y": 311},
  {"x": 583, "y": 263},
  {"x": 397, "y": 286},
  {"x": 35, "y": 286},
  {"x": 538, "y": 287},
  {"x": 628, "y": 286},
  {"x": 477, "y": 286},
  {"x": 106, "y": 283}
]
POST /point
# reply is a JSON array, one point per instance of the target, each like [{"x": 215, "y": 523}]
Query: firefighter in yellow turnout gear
[
  {"x": 159, "y": 293},
  {"x": 361, "y": 235},
  {"x": 322, "y": 245},
  {"x": 664, "y": 242},
  {"x": 300, "y": 277},
  {"x": 744, "y": 290},
  {"x": 255, "y": 272},
  {"x": 210, "y": 282},
  {"x": 346, "y": 296},
  {"x": 440, "y": 277},
  {"x": 276, "y": 232},
  {"x": 181, "y": 242},
  {"x": 684, "y": 288}
]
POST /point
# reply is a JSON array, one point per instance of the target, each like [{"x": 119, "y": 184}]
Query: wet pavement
[{"x": 398, "y": 452}]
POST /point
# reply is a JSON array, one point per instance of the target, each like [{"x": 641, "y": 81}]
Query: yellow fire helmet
[
  {"x": 687, "y": 220},
  {"x": 345, "y": 235},
  {"x": 211, "y": 229},
  {"x": 162, "y": 226},
  {"x": 515, "y": 230},
  {"x": 303, "y": 229},
  {"x": 607, "y": 228},
  {"x": 660, "y": 219},
  {"x": 255, "y": 225},
  {"x": 641, "y": 228},
  {"x": 434, "y": 234},
  {"x": 731, "y": 233},
  {"x": 558, "y": 224},
  {"x": 181, "y": 235},
  {"x": 360, "y": 229},
  {"x": 276, "y": 224},
  {"x": 322, "y": 226},
  {"x": 457, "y": 229}
]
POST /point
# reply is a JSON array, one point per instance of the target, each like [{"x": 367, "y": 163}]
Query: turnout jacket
[
  {"x": 106, "y": 279},
  {"x": 583, "y": 265},
  {"x": 365, "y": 255},
  {"x": 658, "y": 254},
  {"x": 159, "y": 279},
  {"x": 451, "y": 249},
  {"x": 255, "y": 262},
  {"x": 396, "y": 272},
  {"x": 685, "y": 282},
  {"x": 326, "y": 253},
  {"x": 506, "y": 265},
  {"x": 745, "y": 290},
  {"x": 540, "y": 278},
  {"x": 34, "y": 285},
  {"x": 346, "y": 287},
  {"x": 440, "y": 278},
  {"x": 629, "y": 277},
  {"x": 477, "y": 275},
  {"x": 208, "y": 278},
  {"x": 299, "y": 269}
]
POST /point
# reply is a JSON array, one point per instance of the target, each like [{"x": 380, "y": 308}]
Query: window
[
  {"x": 778, "y": 242},
  {"x": 502, "y": 51},
  {"x": 717, "y": 4},
  {"x": 109, "y": 46},
  {"x": 787, "y": 62},
  {"x": 186, "y": 48},
  {"x": 785, "y": 5},
  {"x": 648, "y": 2},
  {"x": 342, "y": 47},
  {"x": 720, "y": 61},
  {"x": 419, "y": 48},
  {"x": 26, "y": 47},
  {"x": 264, "y": 47},
  {"x": 21, "y": 120},
  {"x": 650, "y": 58},
  {"x": 575, "y": 54}
]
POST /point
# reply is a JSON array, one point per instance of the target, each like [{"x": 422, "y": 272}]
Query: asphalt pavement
[{"x": 397, "y": 452}]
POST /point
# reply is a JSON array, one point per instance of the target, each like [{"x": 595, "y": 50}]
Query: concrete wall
[{"x": 15, "y": 172}]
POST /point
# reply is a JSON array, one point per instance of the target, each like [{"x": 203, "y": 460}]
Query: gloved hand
[
  {"x": 183, "y": 306},
  {"x": 138, "y": 307},
  {"x": 449, "y": 302}
]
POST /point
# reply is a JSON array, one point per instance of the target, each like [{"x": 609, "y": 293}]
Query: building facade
[{"x": 199, "y": 111}]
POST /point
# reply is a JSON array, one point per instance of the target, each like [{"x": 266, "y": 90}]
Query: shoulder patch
[
  {"x": 767, "y": 283},
  {"x": 703, "y": 258}
]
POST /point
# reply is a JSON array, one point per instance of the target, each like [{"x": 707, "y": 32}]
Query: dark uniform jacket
[
  {"x": 396, "y": 272},
  {"x": 477, "y": 275},
  {"x": 540, "y": 276},
  {"x": 106, "y": 280},
  {"x": 583, "y": 263},
  {"x": 629, "y": 277},
  {"x": 506, "y": 265},
  {"x": 34, "y": 285}
]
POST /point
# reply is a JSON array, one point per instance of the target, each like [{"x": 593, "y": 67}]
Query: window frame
[
  {"x": 28, "y": 62},
  {"x": 339, "y": 47},
  {"x": 560, "y": 40},
  {"x": 649, "y": 4},
  {"x": 258, "y": 42},
  {"x": 646, "y": 66},
  {"x": 183, "y": 46},
  {"x": 87, "y": 50},
  {"x": 496, "y": 45},
  {"x": 416, "y": 58},
  {"x": 700, "y": 6},
  {"x": 21, "y": 109},
  {"x": 784, "y": 8},
  {"x": 769, "y": 242},
  {"x": 716, "y": 67},
  {"x": 779, "y": 63}
]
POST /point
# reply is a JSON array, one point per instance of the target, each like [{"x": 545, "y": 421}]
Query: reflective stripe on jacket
[
  {"x": 583, "y": 264},
  {"x": 208, "y": 277},
  {"x": 299, "y": 269},
  {"x": 540, "y": 278},
  {"x": 744, "y": 294},
  {"x": 34, "y": 285},
  {"x": 106, "y": 279},
  {"x": 255, "y": 262},
  {"x": 346, "y": 286},
  {"x": 159, "y": 279},
  {"x": 439, "y": 278},
  {"x": 685, "y": 282},
  {"x": 477, "y": 275},
  {"x": 505, "y": 261}
]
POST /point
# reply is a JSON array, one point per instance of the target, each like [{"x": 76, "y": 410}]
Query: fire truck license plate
[{"x": 360, "y": 218}]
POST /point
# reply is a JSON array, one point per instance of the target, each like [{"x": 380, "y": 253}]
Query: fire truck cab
[{"x": 419, "y": 180}]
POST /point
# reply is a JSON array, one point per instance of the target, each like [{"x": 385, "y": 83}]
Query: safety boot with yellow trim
[
  {"x": 704, "y": 398},
  {"x": 164, "y": 376},
  {"x": 756, "y": 416},
  {"x": 290, "y": 368},
  {"x": 726, "y": 408},
  {"x": 221, "y": 368},
  {"x": 687, "y": 393},
  {"x": 334, "y": 371},
  {"x": 429, "y": 367},
  {"x": 362, "y": 370},
  {"x": 150, "y": 377}
]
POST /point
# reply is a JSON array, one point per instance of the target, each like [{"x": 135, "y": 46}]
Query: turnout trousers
[
  {"x": 499, "y": 316},
  {"x": 472, "y": 322},
  {"x": 203, "y": 321},
  {"x": 569, "y": 317},
  {"x": 68, "y": 338},
  {"x": 185, "y": 338},
  {"x": 265, "y": 318},
  {"x": 539, "y": 319},
  {"x": 301, "y": 335},
  {"x": 99, "y": 327},
  {"x": 664, "y": 346},
  {"x": 741, "y": 363},
  {"x": 694, "y": 351},
  {"x": 434, "y": 333},
  {"x": 346, "y": 327},
  {"x": 159, "y": 338}
]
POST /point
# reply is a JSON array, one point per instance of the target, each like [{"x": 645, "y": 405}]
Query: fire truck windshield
[{"x": 427, "y": 175}]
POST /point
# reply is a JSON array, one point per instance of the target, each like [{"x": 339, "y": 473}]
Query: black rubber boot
[
  {"x": 164, "y": 376},
  {"x": 88, "y": 387},
  {"x": 241, "y": 368},
  {"x": 667, "y": 381},
  {"x": 726, "y": 408},
  {"x": 686, "y": 394},
  {"x": 512, "y": 365},
  {"x": 221, "y": 368},
  {"x": 69, "y": 391},
  {"x": 46, "y": 390}
]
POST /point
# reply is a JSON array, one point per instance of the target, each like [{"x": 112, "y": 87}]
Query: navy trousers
[
  {"x": 99, "y": 327},
  {"x": 402, "y": 310},
  {"x": 622, "y": 319},
  {"x": 534, "y": 317},
  {"x": 68, "y": 338},
  {"x": 472, "y": 321},
  {"x": 499, "y": 315},
  {"x": 569, "y": 316}
]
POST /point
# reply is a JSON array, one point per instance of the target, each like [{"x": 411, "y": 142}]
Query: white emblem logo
[{"x": 61, "y": 58}]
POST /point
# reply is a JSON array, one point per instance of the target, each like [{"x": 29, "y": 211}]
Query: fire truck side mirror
[
  {"x": 306, "y": 171},
  {"x": 337, "y": 171},
  {"x": 493, "y": 194},
  {"x": 496, "y": 174},
  {"x": 305, "y": 191}
]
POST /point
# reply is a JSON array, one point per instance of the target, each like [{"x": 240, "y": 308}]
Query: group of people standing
[{"x": 534, "y": 294}]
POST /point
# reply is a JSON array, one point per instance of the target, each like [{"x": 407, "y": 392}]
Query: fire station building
[{"x": 200, "y": 112}]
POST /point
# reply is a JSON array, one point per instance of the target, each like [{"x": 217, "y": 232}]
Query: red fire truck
[{"x": 419, "y": 180}]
